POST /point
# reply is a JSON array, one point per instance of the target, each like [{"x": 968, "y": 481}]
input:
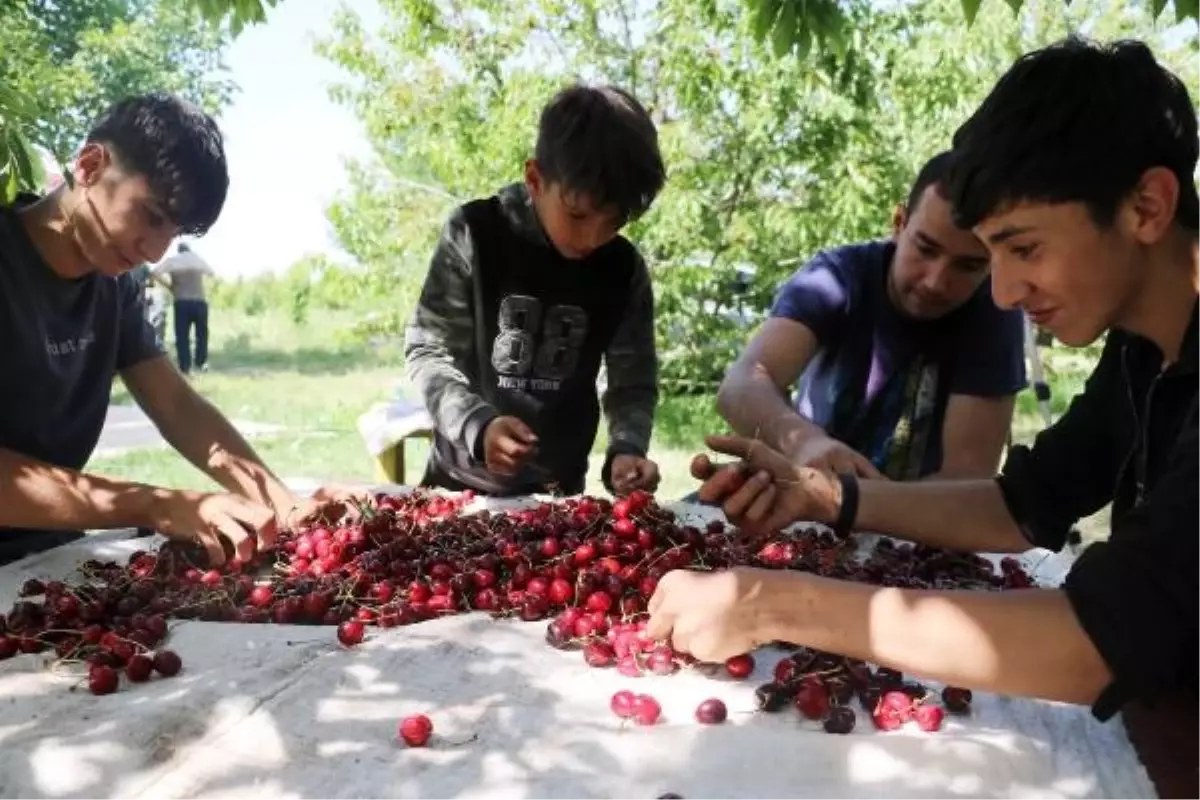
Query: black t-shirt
[
  {"x": 1129, "y": 438},
  {"x": 61, "y": 343}
]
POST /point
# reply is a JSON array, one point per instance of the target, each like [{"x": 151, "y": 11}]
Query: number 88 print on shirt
[{"x": 530, "y": 353}]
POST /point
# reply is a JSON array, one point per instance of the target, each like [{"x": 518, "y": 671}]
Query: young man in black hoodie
[
  {"x": 1077, "y": 173},
  {"x": 527, "y": 291}
]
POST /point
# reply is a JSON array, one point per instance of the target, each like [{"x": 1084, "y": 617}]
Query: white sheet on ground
[{"x": 275, "y": 711}]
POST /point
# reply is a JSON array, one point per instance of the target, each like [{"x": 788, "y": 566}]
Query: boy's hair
[
  {"x": 176, "y": 147},
  {"x": 932, "y": 174},
  {"x": 1075, "y": 122},
  {"x": 601, "y": 143}
]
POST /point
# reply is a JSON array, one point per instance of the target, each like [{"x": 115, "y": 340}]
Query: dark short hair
[
  {"x": 601, "y": 143},
  {"x": 1075, "y": 122},
  {"x": 176, "y": 147},
  {"x": 932, "y": 174}
]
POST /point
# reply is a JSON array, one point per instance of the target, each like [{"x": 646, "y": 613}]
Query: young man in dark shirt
[
  {"x": 72, "y": 316},
  {"x": 1077, "y": 172},
  {"x": 907, "y": 367},
  {"x": 528, "y": 290}
]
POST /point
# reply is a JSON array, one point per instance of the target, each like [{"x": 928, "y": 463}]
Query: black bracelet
[{"x": 848, "y": 512}]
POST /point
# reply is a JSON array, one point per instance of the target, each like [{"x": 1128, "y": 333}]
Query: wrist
[
  {"x": 474, "y": 430},
  {"x": 846, "y": 489},
  {"x": 146, "y": 507},
  {"x": 798, "y": 440},
  {"x": 776, "y": 600},
  {"x": 248, "y": 478},
  {"x": 823, "y": 491}
]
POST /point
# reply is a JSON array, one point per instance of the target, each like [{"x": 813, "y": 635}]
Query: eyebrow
[
  {"x": 928, "y": 241},
  {"x": 1005, "y": 234}
]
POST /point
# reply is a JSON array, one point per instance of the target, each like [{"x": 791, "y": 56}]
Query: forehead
[
  {"x": 933, "y": 209},
  {"x": 933, "y": 218},
  {"x": 1027, "y": 217},
  {"x": 575, "y": 200},
  {"x": 582, "y": 203}
]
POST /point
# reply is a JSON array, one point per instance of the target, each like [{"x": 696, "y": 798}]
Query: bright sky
[{"x": 286, "y": 142}]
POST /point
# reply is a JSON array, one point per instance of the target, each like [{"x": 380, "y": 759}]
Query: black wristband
[{"x": 848, "y": 512}]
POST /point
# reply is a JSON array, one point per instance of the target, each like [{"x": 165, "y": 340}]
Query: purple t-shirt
[{"x": 881, "y": 380}]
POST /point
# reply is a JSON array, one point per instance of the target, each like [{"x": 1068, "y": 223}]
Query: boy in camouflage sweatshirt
[{"x": 527, "y": 290}]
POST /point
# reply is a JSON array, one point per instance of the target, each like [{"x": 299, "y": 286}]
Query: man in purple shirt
[{"x": 907, "y": 368}]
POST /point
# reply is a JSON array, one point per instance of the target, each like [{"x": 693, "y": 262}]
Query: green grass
[
  {"x": 265, "y": 368},
  {"x": 307, "y": 379}
]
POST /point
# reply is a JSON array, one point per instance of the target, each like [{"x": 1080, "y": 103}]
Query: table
[
  {"x": 386, "y": 428},
  {"x": 284, "y": 711}
]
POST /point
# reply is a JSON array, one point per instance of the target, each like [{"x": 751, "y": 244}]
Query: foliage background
[{"x": 771, "y": 157}]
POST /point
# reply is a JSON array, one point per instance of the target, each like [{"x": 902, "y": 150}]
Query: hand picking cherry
[{"x": 587, "y": 564}]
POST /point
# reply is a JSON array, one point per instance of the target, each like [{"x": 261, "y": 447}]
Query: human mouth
[{"x": 1041, "y": 316}]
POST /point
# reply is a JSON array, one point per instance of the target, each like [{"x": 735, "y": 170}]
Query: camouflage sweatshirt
[{"x": 442, "y": 350}]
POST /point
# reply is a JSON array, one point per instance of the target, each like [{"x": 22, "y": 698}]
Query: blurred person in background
[{"x": 183, "y": 276}]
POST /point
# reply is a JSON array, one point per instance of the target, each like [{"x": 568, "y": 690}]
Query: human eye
[
  {"x": 153, "y": 218},
  {"x": 1025, "y": 252}
]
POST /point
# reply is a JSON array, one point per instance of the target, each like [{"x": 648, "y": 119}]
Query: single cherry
[
  {"x": 415, "y": 731},
  {"x": 350, "y": 633},
  {"x": 646, "y": 710},
  {"x": 711, "y": 712},
  {"x": 740, "y": 667}
]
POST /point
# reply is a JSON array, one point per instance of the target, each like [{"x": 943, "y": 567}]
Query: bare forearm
[
  {"x": 965, "y": 515},
  {"x": 1025, "y": 643},
  {"x": 34, "y": 494},
  {"x": 756, "y": 408},
  {"x": 204, "y": 437}
]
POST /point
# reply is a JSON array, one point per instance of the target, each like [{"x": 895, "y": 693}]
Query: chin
[
  {"x": 112, "y": 268},
  {"x": 1076, "y": 335},
  {"x": 922, "y": 312}
]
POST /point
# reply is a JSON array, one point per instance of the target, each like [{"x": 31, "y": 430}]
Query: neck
[
  {"x": 1163, "y": 308},
  {"x": 50, "y": 225}
]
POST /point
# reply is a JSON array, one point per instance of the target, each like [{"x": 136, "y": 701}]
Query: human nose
[{"x": 1009, "y": 286}]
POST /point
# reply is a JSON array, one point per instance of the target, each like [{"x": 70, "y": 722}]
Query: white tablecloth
[{"x": 284, "y": 711}]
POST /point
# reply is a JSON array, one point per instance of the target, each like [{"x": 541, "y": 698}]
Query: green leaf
[
  {"x": 970, "y": 9},
  {"x": 1016, "y": 5},
  {"x": 1157, "y": 6},
  {"x": 804, "y": 40},
  {"x": 11, "y": 184},
  {"x": 828, "y": 25},
  {"x": 15, "y": 103},
  {"x": 1186, "y": 9},
  {"x": 783, "y": 37},
  {"x": 24, "y": 159},
  {"x": 765, "y": 14}
]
